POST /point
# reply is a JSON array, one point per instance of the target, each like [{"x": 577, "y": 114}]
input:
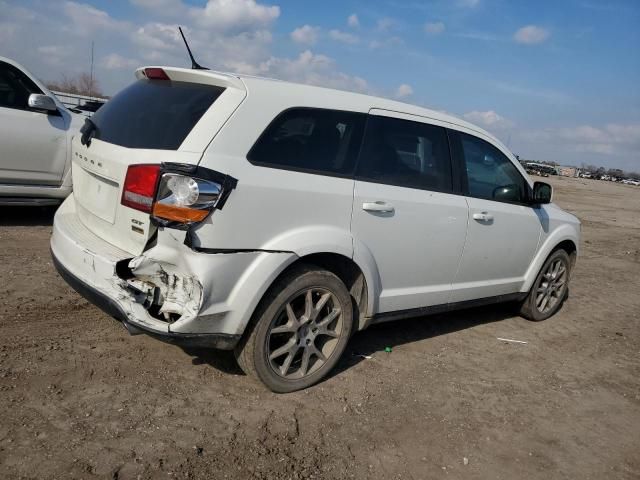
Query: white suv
[
  {"x": 35, "y": 140},
  {"x": 278, "y": 219}
]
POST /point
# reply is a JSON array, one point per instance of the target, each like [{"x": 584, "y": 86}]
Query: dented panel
[{"x": 169, "y": 288}]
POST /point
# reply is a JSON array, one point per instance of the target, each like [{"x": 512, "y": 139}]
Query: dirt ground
[{"x": 80, "y": 398}]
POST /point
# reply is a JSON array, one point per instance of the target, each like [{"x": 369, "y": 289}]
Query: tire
[
  {"x": 550, "y": 288},
  {"x": 299, "y": 330}
]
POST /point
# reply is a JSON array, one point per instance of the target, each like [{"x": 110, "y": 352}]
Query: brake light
[
  {"x": 140, "y": 187},
  {"x": 154, "y": 73}
]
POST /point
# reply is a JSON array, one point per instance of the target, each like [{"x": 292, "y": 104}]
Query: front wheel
[
  {"x": 549, "y": 289},
  {"x": 299, "y": 331}
]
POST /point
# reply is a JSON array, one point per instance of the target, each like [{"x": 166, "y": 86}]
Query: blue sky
[{"x": 555, "y": 80}]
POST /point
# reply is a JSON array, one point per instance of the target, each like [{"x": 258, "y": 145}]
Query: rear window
[
  {"x": 154, "y": 114},
  {"x": 311, "y": 140}
]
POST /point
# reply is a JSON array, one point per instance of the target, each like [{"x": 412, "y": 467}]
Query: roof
[
  {"x": 367, "y": 101},
  {"x": 320, "y": 96}
]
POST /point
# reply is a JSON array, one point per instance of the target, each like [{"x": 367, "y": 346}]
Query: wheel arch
[{"x": 563, "y": 238}]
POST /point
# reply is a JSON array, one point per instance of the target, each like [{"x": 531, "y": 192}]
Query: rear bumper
[
  {"x": 205, "y": 295},
  {"x": 221, "y": 341}
]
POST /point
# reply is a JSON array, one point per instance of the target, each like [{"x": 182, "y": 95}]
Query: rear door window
[
  {"x": 405, "y": 153},
  {"x": 311, "y": 140},
  {"x": 154, "y": 114}
]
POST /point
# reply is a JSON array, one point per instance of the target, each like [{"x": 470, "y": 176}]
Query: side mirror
[
  {"x": 542, "y": 193},
  {"x": 42, "y": 102},
  {"x": 507, "y": 193}
]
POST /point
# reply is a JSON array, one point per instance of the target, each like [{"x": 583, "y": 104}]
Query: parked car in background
[
  {"x": 90, "y": 107},
  {"x": 35, "y": 140},
  {"x": 277, "y": 219},
  {"x": 630, "y": 181}
]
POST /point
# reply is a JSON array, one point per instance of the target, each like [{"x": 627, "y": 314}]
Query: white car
[
  {"x": 35, "y": 140},
  {"x": 277, "y": 219}
]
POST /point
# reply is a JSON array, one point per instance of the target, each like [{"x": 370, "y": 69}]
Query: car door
[
  {"x": 504, "y": 230},
  {"x": 33, "y": 144},
  {"x": 405, "y": 215}
]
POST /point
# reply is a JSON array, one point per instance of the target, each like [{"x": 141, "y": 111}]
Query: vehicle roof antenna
[{"x": 194, "y": 65}]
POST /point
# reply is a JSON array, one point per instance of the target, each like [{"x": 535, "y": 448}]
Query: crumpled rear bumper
[
  {"x": 221, "y": 341},
  {"x": 91, "y": 266}
]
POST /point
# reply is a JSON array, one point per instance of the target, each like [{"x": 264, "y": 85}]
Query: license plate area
[{"x": 97, "y": 194}]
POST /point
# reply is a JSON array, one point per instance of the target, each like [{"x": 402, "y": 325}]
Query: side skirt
[{"x": 446, "y": 307}]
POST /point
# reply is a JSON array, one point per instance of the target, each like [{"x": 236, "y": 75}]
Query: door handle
[
  {"x": 380, "y": 207},
  {"x": 483, "y": 216}
]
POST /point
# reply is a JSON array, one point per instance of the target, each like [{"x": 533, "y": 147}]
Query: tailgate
[
  {"x": 167, "y": 115},
  {"x": 98, "y": 175}
]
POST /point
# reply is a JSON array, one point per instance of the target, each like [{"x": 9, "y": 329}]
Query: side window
[
  {"x": 407, "y": 154},
  {"x": 15, "y": 87},
  {"x": 490, "y": 174},
  {"x": 312, "y": 140}
]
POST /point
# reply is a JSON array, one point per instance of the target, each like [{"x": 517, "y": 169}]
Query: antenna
[{"x": 194, "y": 65}]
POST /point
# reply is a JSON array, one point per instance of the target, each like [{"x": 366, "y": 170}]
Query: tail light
[
  {"x": 140, "y": 187},
  {"x": 185, "y": 199},
  {"x": 176, "y": 195}
]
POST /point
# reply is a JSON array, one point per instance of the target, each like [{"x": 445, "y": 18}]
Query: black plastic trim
[
  {"x": 446, "y": 307},
  {"x": 215, "y": 251},
  {"x": 221, "y": 341}
]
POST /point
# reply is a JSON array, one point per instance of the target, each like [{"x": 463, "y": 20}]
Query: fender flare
[{"x": 562, "y": 233}]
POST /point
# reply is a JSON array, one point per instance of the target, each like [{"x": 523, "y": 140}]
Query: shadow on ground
[
  {"x": 378, "y": 337},
  {"x": 11, "y": 216}
]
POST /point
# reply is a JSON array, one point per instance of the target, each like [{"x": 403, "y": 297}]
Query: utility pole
[{"x": 91, "y": 73}]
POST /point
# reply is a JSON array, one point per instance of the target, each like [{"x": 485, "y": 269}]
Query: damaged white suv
[{"x": 278, "y": 219}]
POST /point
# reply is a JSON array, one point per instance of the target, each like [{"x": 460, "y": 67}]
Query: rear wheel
[
  {"x": 299, "y": 331},
  {"x": 549, "y": 289}
]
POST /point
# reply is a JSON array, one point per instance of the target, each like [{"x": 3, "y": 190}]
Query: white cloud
[
  {"x": 404, "y": 91},
  {"x": 165, "y": 8},
  {"x": 305, "y": 35},
  {"x": 235, "y": 15},
  {"x": 434, "y": 28},
  {"x": 531, "y": 34},
  {"x": 385, "y": 24},
  {"x": 158, "y": 36},
  {"x": 489, "y": 119},
  {"x": 610, "y": 139},
  {"x": 343, "y": 37},
  {"x": 353, "y": 21},
  {"x": 313, "y": 69},
  {"x": 385, "y": 43},
  {"x": 113, "y": 61},
  {"x": 87, "y": 19}
]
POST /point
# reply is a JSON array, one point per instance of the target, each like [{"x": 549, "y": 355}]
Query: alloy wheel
[
  {"x": 551, "y": 286},
  {"x": 304, "y": 333}
]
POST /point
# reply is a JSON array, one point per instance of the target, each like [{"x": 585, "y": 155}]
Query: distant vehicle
[
  {"x": 35, "y": 140},
  {"x": 90, "y": 106},
  {"x": 277, "y": 219},
  {"x": 629, "y": 181},
  {"x": 539, "y": 169}
]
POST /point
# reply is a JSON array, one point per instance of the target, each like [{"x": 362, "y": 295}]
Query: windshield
[{"x": 154, "y": 114}]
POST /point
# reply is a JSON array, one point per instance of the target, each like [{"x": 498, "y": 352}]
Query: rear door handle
[
  {"x": 483, "y": 216},
  {"x": 381, "y": 207}
]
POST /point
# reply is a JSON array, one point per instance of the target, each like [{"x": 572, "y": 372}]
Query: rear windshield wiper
[{"x": 87, "y": 131}]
